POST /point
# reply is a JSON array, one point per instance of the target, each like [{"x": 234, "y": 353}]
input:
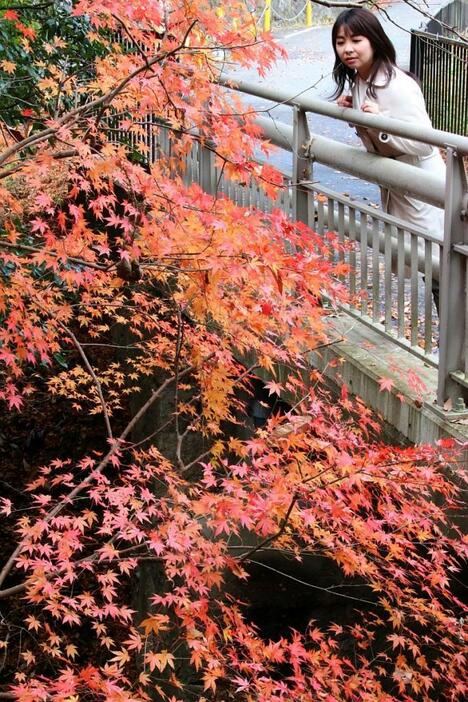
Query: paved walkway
[{"x": 308, "y": 70}]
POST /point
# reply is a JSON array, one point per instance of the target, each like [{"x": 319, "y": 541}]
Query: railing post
[
  {"x": 206, "y": 169},
  {"x": 302, "y": 166},
  {"x": 453, "y": 281},
  {"x": 416, "y": 57},
  {"x": 267, "y": 16}
]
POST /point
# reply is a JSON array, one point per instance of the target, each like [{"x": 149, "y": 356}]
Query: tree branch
[
  {"x": 273, "y": 537},
  {"x": 93, "y": 375},
  {"x": 33, "y": 249},
  {"x": 330, "y": 590},
  {"x": 117, "y": 445},
  {"x": 103, "y": 101}
]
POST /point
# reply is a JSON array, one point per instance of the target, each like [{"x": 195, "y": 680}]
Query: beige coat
[{"x": 402, "y": 99}]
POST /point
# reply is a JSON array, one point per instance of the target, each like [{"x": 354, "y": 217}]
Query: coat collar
[{"x": 380, "y": 80}]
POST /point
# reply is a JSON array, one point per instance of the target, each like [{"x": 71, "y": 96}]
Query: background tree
[
  {"x": 120, "y": 287},
  {"x": 42, "y": 43}
]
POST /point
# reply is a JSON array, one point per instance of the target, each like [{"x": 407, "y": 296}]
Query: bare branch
[
  {"x": 273, "y": 537},
  {"x": 115, "y": 448},
  {"x": 33, "y": 249},
  {"x": 330, "y": 590},
  {"x": 103, "y": 101}
]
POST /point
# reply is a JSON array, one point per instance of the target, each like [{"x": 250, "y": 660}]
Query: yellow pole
[
  {"x": 309, "y": 13},
  {"x": 267, "y": 18}
]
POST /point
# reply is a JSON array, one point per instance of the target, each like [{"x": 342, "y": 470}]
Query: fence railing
[
  {"x": 392, "y": 264},
  {"x": 453, "y": 16},
  {"x": 441, "y": 65},
  {"x": 286, "y": 13}
]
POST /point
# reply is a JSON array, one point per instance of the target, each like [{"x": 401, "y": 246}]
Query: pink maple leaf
[{"x": 386, "y": 384}]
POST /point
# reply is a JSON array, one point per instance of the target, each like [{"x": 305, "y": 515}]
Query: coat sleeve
[{"x": 406, "y": 102}]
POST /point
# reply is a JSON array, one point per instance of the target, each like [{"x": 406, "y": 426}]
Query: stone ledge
[{"x": 367, "y": 357}]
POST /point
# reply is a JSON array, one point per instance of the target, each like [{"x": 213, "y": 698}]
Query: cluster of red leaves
[
  {"x": 211, "y": 292},
  {"x": 319, "y": 489}
]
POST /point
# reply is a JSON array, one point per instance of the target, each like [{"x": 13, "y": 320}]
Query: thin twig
[
  {"x": 34, "y": 249},
  {"x": 273, "y": 537},
  {"x": 117, "y": 445},
  {"x": 103, "y": 101},
  {"x": 328, "y": 590},
  {"x": 179, "y": 342}
]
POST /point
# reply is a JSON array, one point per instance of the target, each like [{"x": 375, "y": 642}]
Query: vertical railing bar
[
  {"x": 363, "y": 256},
  {"x": 320, "y": 217},
  {"x": 449, "y": 105},
  {"x": 439, "y": 68},
  {"x": 459, "y": 102},
  {"x": 375, "y": 270},
  {"x": 352, "y": 255},
  {"x": 401, "y": 282},
  {"x": 331, "y": 214},
  {"x": 428, "y": 297},
  {"x": 466, "y": 321},
  {"x": 341, "y": 235},
  {"x": 302, "y": 165},
  {"x": 388, "y": 276},
  {"x": 414, "y": 290},
  {"x": 331, "y": 223},
  {"x": 311, "y": 209},
  {"x": 261, "y": 199}
]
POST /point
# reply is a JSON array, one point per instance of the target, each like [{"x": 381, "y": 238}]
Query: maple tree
[{"x": 124, "y": 291}]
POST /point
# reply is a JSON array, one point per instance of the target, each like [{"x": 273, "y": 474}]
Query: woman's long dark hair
[{"x": 361, "y": 22}]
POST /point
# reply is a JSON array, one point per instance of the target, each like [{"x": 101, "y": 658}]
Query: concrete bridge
[{"x": 390, "y": 328}]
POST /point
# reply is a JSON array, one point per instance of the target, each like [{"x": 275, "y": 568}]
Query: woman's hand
[
  {"x": 370, "y": 107},
  {"x": 345, "y": 101}
]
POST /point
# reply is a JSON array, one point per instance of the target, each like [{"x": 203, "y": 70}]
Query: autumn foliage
[{"x": 123, "y": 290}]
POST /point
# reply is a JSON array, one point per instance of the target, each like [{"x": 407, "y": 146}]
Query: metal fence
[
  {"x": 287, "y": 13},
  {"x": 441, "y": 65},
  {"x": 391, "y": 263},
  {"x": 453, "y": 16}
]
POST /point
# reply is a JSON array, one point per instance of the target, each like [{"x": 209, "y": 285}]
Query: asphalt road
[{"x": 308, "y": 71}]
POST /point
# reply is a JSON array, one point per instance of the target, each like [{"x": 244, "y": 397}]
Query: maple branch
[
  {"x": 341, "y": 3},
  {"x": 199, "y": 458},
  {"x": 22, "y": 587},
  {"x": 179, "y": 342},
  {"x": 273, "y": 537},
  {"x": 418, "y": 8},
  {"x": 34, "y": 249},
  {"x": 40, "y": 6},
  {"x": 330, "y": 590},
  {"x": 117, "y": 444},
  {"x": 103, "y": 101},
  {"x": 7, "y": 172},
  {"x": 134, "y": 41},
  {"x": 93, "y": 375}
]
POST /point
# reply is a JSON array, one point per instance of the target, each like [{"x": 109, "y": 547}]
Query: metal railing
[
  {"x": 285, "y": 13},
  {"x": 441, "y": 65},
  {"x": 392, "y": 264}
]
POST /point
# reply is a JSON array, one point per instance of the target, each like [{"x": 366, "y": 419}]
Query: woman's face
[{"x": 355, "y": 51}]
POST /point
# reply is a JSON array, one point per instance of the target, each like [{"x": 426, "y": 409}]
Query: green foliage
[{"x": 42, "y": 41}]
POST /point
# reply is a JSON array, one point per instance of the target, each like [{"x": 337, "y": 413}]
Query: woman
[{"x": 365, "y": 62}]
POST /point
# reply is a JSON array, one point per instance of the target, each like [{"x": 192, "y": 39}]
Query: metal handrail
[
  {"x": 397, "y": 127},
  {"x": 390, "y": 173},
  {"x": 451, "y": 195},
  {"x": 431, "y": 35}
]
